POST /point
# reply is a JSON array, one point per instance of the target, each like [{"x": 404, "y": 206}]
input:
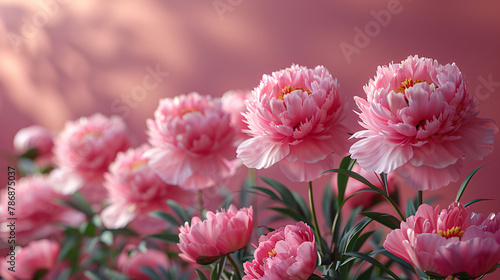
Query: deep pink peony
[
  {"x": 39, "y": 214},
  {"x": 233, "y": 102},
  {"x": 419, "y": 119},
  {"x": 288, "y": 253},
  {"x": 193, "y": 142},
  {"x": 131, "y": 261},
  {"x": 448, "y": 242},
  {"x": 295, "y": 119},
  {"x": 38, "y": 138},
  {"x": 366, "y": 199},
  {"x": 220, "y": 234},
  {"x": 135, "y": 190},
  {"x": 37, "y": 255}
]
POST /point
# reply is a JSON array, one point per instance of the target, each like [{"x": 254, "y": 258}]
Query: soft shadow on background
[{"x": 60, "y": 60}]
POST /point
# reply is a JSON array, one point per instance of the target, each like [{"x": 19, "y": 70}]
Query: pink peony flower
[
  {"x": 135, "y": 190},
  {"x": 38, "y": 138},
  {"x": 130, "y": 263},
  {"x": 39, "y": 214},
  {"x": 419, "y": 119},
  {"x": 193, "y": 142},
  {"x": 233, "y": 102},
  {"x": 88, "y": 145},
  {"x": 366, "y": 199},
  {"x": 295, "y": 119},
  {"x": 286, "y": 253},
  {"x": 451, "y": 242},
  {"x": 220, "y": 234},
  {"x": 34, "y": 257}
]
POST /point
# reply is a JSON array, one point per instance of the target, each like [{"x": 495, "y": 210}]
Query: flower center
[
  {"x": 137, "y": 164},
  {"x": 187, "y": 111},
  {"x": 453, "y": 232},
  {"x": 408, "y": 83},
  {"x": 272, "y": 253},
  {"x": 286, "y": 90},
  {"x": 91, "y": 134}
]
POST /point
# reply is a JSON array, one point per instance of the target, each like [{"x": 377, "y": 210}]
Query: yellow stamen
[
  {"x": 92, "y": 134},
  {"x": 272, "y": 253},
  {"x": 408, "y": 83},
  {"x": 453, "y": 232},
  {"x": 138, "y": 163},
  {"x": 286, "y": 90},
  {"x": 187, "y": 111}
]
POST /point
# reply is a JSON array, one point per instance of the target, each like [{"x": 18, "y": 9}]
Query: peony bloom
[
  {"x": 286, "y": 253},
  {"x": 453, "y": 241},
  {"x": 419, "y": 119},
  {"x": 135, "y": 190},
  {"x": 233, "y": 102},
  {"x": 295, "y": 119},
  {"x": 86, "y": 147},
  {"x": 39, "y": 214},
  {"x": 366, "y": 199},
  {"x": 130, "y": 263},
  {"x": 193, "y": 142},
  {"x": 220, "y": 234},
  {"x": 36, "y": 138},
  {"x": 29, "y": 260}
]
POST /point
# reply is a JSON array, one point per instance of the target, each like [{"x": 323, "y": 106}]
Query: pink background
[{"x": 74, "y": 58}]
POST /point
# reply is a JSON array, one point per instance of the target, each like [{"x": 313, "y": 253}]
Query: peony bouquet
[{"x": 86, "y": 204}]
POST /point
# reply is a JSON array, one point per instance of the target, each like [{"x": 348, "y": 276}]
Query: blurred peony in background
[{"x": 63, "y": 59}]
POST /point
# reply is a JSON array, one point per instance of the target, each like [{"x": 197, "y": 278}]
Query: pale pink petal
[
  {"x": 299, "y": 171},
  {"x": 260, "y": 153},
  {"x": 428, "y": 178}
]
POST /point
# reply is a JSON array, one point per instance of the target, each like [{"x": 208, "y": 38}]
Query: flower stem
[
  {"x": 200, "y": 204},
  {"x": 236, "y": 268},
  {"x": 313, "y": 212},
  {"x": 222, "y": 264},
  {"x": 420, "y": 197}
]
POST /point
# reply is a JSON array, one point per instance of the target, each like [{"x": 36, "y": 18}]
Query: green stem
[
  {"x": 252, "y": 177},
  {"x": 236, "y": 268},
  {"x": 420, "y": 197},
  {"x": 313, "y": 212},
  {"x": 200, "y": 204},
  {"x": 222, "y": 264}
]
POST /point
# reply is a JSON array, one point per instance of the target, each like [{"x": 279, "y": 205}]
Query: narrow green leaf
[
  {"x": 465, "y": 183},
  {"x": 304, "y": 210},
  {"x": 361, "y": 240},
  {"x": 395, "y": 258},
  {"x": 207, "y": 260},
  {"x": 342, "y": 179},
  {"x": 92, "y": 275},
  {"x": 383, "y": 218},
  {"x": 107, "y": 237},
  {"x": 284, "y": 192},
  {"x": 476, "y": 200},
  {"x": 167, "y": 237},
  {"x": 354, "y": 233},
  {"x": 200, "y": 274},
  {"x": 165, "y": 216},
  {"x": 411, "y": 209},
  {"x": 373, "y": 261},
  {"x": 314, "y": 277},
  {"x": 71, "y": 242},
  {"x": 290, "y": 213},
  {"x": 328, "y": 207},
  {"x": 358, "y": 177},
  {"x": 181, "y": 212},
  {"x": 268, "y": 192}
]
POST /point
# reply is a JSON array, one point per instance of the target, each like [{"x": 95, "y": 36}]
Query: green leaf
[
  {"x": 92, "y": 275},
  {"x": 200, "y": 274},
  {"x": 314, "y": 277},
  {"x": 411, "y": 208},
  {"x": 181, "y": 212},
  {"x": 150, "y": 273},
  {"x": 373, "y": 261},
  {"x": 207, "y": 260},
  {"x": 165, "y": 216},
  {"x": 476, "y": 200},
  {"x": 290, "y": 213},
  {"x": 342, "y": 179},
  {"x": 70, "y": 243},
  {"x": 383, "y": 218},
  {"x": 167, "y": 237},
  {"x": 107, "y": 237},
  {"x": 268, "y": 192},
  {"x": 395, "y": 258},
  {"x": 361, "y": 240},
  {"x": 285, "y": 193},
  {"x": 329, "y": 209},
  {"x": 358, "y": 177},
  {"x": 304, "y": 210},
  {"x": 353, "y": 234},
  {"x": 465, "y": 183}
]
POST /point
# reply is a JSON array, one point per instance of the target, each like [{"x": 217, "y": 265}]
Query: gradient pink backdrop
[{"x": 73, "y": 58}]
